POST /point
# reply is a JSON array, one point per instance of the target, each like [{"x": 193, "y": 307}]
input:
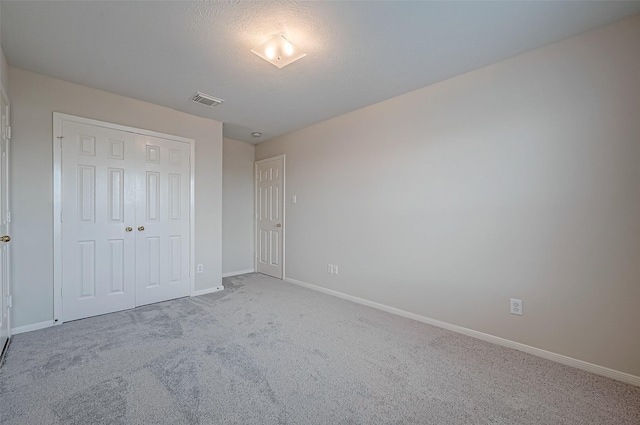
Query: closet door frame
[{"x": 58, "y": 119}]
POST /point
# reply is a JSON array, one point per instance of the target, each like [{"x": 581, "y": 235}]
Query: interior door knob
[
  {"x": 129, "y": 229},
  {"x": 141, "y": 228},
  {"x": 279, "y": 225},
  {"x": 5, "y": 238}
]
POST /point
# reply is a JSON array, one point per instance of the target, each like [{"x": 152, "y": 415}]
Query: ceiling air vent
[{"x": 207, "y": 100}]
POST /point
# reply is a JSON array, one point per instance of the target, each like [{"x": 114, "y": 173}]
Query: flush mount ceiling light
[
  {"x": 256, "y": 134},
  {"x": 279, "y": 51}
]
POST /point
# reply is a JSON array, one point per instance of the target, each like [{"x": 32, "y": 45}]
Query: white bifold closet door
[
  {"x": 125, "y": 220},
  {"x": 162, "y": 211}
]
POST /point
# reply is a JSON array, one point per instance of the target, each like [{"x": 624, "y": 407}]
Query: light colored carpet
[{"x": 267, "y": 352}]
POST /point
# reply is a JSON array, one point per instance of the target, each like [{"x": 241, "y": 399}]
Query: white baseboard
[
  {"x": 569, "y": 361},
  {"x": 31, "y": 327},
  {"x": 207, "y": 291},
  {"x": 238, "y": 273}
]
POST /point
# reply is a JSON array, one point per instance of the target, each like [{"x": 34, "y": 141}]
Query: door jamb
[
  {"x": 58, "y": 119},
  {"x": 255, "y": 210},
  {"x": 7, "y": 171}
]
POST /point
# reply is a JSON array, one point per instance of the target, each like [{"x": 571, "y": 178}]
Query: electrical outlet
[
  {"x": 200, "y": 268},
  {"x": 335, "y": 269},
  {"x": 516, "y": 306},
  {"x": 330, "y": 268}
]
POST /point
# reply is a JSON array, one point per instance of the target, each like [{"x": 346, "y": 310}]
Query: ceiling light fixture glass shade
[{"x": 278, "y": 51}]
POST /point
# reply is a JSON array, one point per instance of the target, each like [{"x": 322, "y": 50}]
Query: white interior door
[
  {"x": 270, "y": 216},
  {"x": 126, "y": 224},
  {"x": 99, "y": 167},
  {"x": 162, "y": 245},
  {"x": 5, "y": 298}
]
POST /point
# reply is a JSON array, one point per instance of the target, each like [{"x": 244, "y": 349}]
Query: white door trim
[
  {"x": 284, "y": 210},
  {"x": 3, "y": 93},
  {"x": 58, "y": 118}
]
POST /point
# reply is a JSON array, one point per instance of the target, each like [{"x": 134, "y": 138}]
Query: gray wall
[
  {"x": 237, "y": 206},
  {"x": 34, "y": 98},
  {"x": 4, "y": 71},
  {"x": 519, "y": 180},
  {"x": 4, "y": 67}
]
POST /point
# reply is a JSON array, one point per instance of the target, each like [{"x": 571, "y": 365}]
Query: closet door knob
[
  {"x": 129, "y": 229},
  {"x": 141, "y": 228}
]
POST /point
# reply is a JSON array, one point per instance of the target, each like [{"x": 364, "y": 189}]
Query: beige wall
[
  {"x": 34, "y": 98},
  {"x": 237, "y": 206},
  {"x": 519, "y": 180}
]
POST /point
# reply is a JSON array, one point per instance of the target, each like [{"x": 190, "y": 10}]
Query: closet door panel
[
  {"x": 163, "y": 234},
  {"x": 98, "y": 170}
]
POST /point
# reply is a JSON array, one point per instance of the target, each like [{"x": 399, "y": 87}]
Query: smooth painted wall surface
[
  {"x": 518, "y": 180},
  {"x": 4, "y": 72},
  {"x": 237, "y": 206},
  {"x": 33, "y": 101},
  {"x": 4, "y": 66}
]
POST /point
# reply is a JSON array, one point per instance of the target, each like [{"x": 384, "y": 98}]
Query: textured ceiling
[{"x": 359, "y": 53}]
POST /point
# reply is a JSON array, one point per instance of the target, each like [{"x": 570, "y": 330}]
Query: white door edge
[
  {"x": 58, "y": 119},
  {"x": 192, "y": 221},
  {"x": 284, "y": 209},
  {"x": 5, "y": 96}
]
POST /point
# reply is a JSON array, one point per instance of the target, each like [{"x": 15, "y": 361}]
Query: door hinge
[
  {"x": 8, "y": 216},
  {"x": 60, "y": 139},
  {"x": 9, "y": 301},
  {"x": 61, "y": 216},
  {"x": 7, "y": 133}
]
